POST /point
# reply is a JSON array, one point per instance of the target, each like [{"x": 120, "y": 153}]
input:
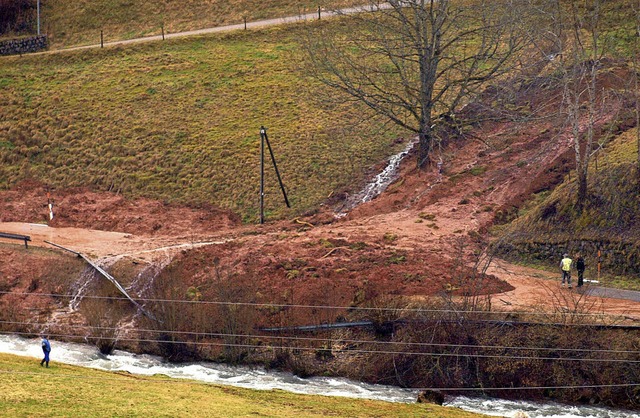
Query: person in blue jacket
[{"x": 46, "y": 349}]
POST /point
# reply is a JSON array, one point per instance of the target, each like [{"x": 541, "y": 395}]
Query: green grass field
[
  {"x": 28, "y": 390},
  {"x": 179, "y": 120}
]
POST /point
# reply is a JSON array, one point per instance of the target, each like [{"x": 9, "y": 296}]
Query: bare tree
[
  {"x": 582, "y": 61},
  {"x": 417, "y": 62},
  {"x": 636, "y": 63}
]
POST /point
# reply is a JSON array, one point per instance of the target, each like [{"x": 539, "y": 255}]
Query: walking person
[
  {"x": 46, "y": 349},
  {"x": 565, "y": 266},
  {"x": 580, "y": 267}
]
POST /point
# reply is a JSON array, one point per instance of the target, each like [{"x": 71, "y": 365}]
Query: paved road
[{"x": 605, "y": 292}]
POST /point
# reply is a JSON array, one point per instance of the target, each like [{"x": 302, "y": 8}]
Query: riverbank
[
  {"x": 150, "y": 370},
  {"x": 64, "y": 390}
]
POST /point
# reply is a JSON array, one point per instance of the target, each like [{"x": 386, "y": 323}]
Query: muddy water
[{"x": 257, "y": 378}]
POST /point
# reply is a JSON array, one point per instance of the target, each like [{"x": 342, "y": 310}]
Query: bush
[{"x": 15, "y": 15}]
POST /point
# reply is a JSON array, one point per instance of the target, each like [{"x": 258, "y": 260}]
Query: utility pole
[
  {"x": 265, "y": 139},
  {"x": 263, "y": 133}
]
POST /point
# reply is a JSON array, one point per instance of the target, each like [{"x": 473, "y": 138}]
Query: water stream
[
  {"x": 261, "y": 379},
  {"x": 380, "y": 183},
  {"x": 80, "y": 288}
]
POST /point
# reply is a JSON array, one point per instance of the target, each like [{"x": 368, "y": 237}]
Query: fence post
[
  {"x": 162, "y": 28},
  {"x": 101, "y": 39},
  {"x": 319, "y": 16}
]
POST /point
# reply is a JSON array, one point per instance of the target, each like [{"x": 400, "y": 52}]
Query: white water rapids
[{"x": 261, "y": 379}]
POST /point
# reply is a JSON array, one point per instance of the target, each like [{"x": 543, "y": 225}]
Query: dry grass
[{"x": 80, "y": 22}]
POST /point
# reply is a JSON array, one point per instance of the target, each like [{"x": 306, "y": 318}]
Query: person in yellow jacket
[{"x": 565, "y": 266}]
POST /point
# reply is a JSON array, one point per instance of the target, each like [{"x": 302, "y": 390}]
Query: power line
[
  {"x": 323, "y": 340},
  {"x": 350, "y": 351},
  {"x": 350, "y": 308},
  {"x": 481, "y": 389}
]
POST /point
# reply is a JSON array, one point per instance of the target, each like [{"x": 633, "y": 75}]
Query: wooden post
[
  {"x": 245, "y": 22},
  {"x": 162, "y": 28},
  {"x": 275, "y": 166},
  {"x": 319, "y": 15},
  {"x": 101, "y": 39}
]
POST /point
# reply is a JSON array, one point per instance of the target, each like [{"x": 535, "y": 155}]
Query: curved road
[
  {"x": 606, "y": 292},
  {"x": 240, "y": 26}
]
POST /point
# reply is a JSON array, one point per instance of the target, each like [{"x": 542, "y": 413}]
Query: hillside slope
[
  {"x": 419, "y": 244},
  {"x": 425, "y": 242},
  {"x": 179, "y": 121},
  {"x": 606, "y": 228},
  {"x": 82, "y": 22}
]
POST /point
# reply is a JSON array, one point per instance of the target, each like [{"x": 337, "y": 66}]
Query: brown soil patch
[{"x": 416, "y": 239}]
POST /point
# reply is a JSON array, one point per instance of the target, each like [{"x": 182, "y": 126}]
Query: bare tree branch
[{"x": 417, "y": 57}]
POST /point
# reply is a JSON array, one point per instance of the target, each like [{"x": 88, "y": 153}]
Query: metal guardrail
[
  {"x": 108, "y": 277},
  {"x": 24, "y": 238}
]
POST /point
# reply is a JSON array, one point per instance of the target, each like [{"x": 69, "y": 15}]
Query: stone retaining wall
[
  {"x": 24, "y": 45},
  {"x": 617, "y": 257}
]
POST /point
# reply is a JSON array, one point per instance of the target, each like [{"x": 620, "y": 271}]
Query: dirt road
[{"x": 534, "y": 290}]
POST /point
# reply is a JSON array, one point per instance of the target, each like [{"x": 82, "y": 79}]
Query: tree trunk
[
  {"x": 424, "y": 145},
  {"x": 582, "y": 188},
  {"x": 636, "y": 62}
]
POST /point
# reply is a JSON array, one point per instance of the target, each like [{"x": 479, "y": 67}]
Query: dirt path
[
  {"x": 541, "y": 290},
  {"x": 535, "y": 290},
  {"x": 100, "y": 244}
]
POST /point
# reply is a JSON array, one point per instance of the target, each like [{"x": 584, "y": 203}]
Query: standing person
[
  {"x": 580, "y": 267},
  {"x": 565, "y": 266},
  {"x": 46, "y": 349}
]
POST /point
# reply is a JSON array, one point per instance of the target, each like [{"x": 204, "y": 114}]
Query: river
[{"x": 261, "y": 379}]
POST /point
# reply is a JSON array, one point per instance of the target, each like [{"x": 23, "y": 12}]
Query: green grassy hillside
[
  {"x": 179, "y": 120},
  {"x": 79, "y": 22},
  {"x": 28, "y": 390}
]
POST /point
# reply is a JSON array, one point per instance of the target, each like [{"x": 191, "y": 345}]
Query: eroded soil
[{"x": 421, "y": 237}]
